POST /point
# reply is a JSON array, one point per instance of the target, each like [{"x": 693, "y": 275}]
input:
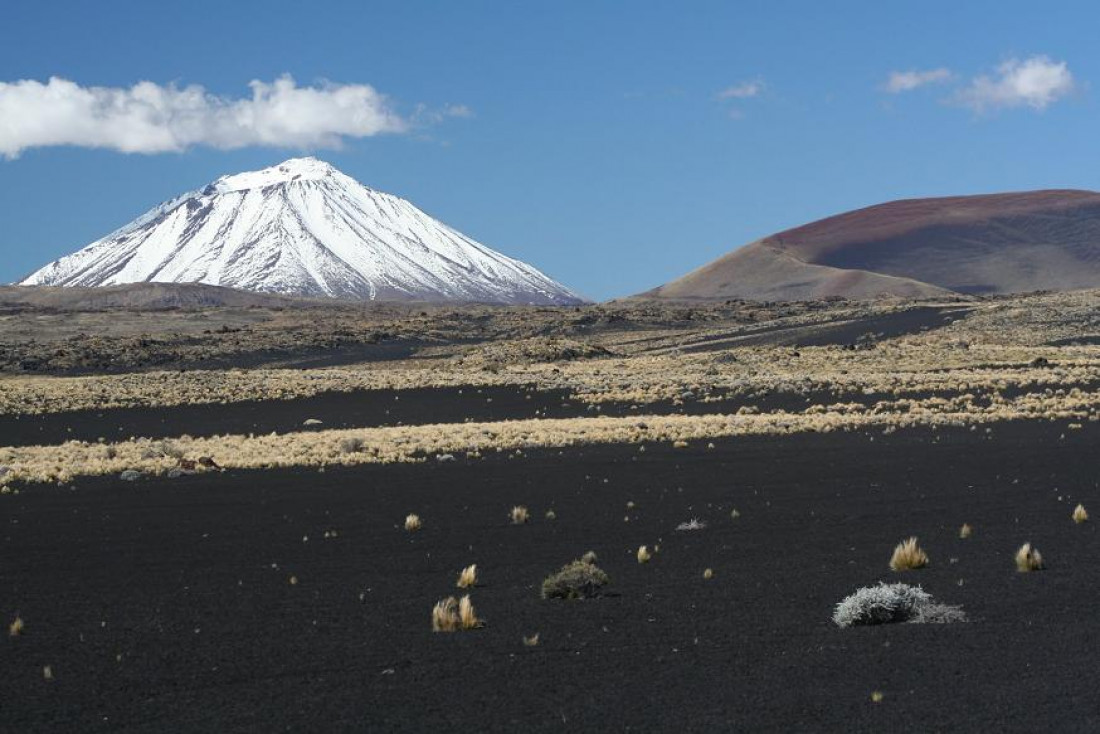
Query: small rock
[
  {"x": 130, "y": 475},
  {"x": 208, "y": 462},
  {"x": 312, "y": 422},
  {"x": 445, "y": 457}
]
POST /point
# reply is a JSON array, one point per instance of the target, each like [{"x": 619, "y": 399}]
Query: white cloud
[
  {"x": 1036, "y": 82},
  {"x": 906, "y": 81},
  {"x": 425, "y": 115},
  {"x": 744, "y": 90},
  {"x": 150, "y": 118}
]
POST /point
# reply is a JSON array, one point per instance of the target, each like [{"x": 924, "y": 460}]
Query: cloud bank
[
  {"x": 744, "y": 90},
  {"x": 907, "y": 81},
  {"x": 1036, "y": 82},
  {"x": 150, "y": 118}
]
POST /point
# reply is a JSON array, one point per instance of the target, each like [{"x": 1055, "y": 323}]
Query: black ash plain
[{"x": 168, "y": 605}]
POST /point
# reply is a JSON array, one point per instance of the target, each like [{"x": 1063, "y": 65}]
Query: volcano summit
[{"x": 303, "y": 228}]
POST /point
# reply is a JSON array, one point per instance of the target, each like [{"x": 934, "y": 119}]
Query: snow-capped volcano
[{"x": 303, "y": 228}]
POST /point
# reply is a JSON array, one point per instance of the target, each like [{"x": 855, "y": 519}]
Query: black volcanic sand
[
  {"x": 372, "y": 408},
  {"x": 188, "y": 582},
  {"x": 839, "y": 333}
]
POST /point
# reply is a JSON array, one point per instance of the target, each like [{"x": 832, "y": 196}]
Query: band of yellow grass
[{"x": 415, "y": 443}]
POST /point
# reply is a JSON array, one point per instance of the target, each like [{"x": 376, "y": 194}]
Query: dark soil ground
[
  {"x": 842, "y": 332},
  {"x": 371, "y": 408},
  {"x": 167, "y": 605}
]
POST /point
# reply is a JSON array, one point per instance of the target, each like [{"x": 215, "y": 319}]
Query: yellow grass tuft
[
  {"x": 445, "y": 615},
  {"x": 708, "y": 574},
  {"x": 965, "y": 530},
  {"x": 412, "y": 522},
  {"x": 519, "y": 515},
  {"x": 468, "y": 577},
  {"x": 466, "y": 614},
  {"x": 908, "y": 555},
  {"x": 1080, "y": 514},
  {"x": 589, "y": 557},
  {"x": 643, "y": 554},
  {"x": 531, "y": 641},
  {"x": 16, "y": 627},
  {"x": 1028, "y": 559},
  {"x": 876, "y": 696}
]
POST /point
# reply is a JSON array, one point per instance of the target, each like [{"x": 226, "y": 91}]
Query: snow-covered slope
[{"x": 303, "y": 228}]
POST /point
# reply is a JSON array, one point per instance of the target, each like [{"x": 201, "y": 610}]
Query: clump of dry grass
[
  {"x": 519, "y": 515},
  {"x": 965, "y": 530},
  {"x": 467, "y": 617},
  {"x": 1080, "y": 514},
  {"x": 581, "y": 579},
  {"x": 643, "y": 554},
  {"x": 551, "y": 515},
  {"x": 16, "y": 627},
  {"x": 47, "y": 672},
  {"x": 531, "y": 641},
  {"x": 908, "y": 556},
  {"x": 708, "y": 574},
  {"x": 412, "y": 522},
  {"x": 468, "y": 577},
  {"x": 589, "y": 557},
  {"x": 445, "y": 615},
  {"x": 1028, "y": 558}
]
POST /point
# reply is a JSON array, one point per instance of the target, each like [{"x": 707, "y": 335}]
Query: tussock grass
[
  {"x": 580, "y": 579},
  {"x": 965, "y": 531},
  {"x": 551, "y": 515},
  {"x": 16, "y": 627},
  {"x": 1028, "y": 558},
  {"x": 708, "y": 574},
  {"x": 467, "y": 617},
  {"x": 519, "y": 515},
  {"x": 445, "y": 615},
  {"x": 643, "y": 554},
  {"x": 531, "y": 641},
  {"x": 412, "y": 523},
  {"x": 1080, "y": 514},
  {"x": 589, "y": 557},
  {"x": 468, "y": 577},
  {"x": 908, "y": 555}
]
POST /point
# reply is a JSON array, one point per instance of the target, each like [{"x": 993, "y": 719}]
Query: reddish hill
[{"x": 998, "y": 243}]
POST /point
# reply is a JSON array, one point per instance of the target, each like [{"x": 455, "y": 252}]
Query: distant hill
[
  {"x": 139, "y": 296},
  {"x": 977, "y": 245}
]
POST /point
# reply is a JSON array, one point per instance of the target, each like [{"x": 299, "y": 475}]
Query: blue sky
[{"x": 613, "y": 145}]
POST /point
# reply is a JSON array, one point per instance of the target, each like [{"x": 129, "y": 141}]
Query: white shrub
[{"x": 887, "y": 603}]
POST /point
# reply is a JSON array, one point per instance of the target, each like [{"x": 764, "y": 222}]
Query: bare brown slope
[
  {"x": 998, "y": 243},
  {"x": 761, "y": 273}
]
